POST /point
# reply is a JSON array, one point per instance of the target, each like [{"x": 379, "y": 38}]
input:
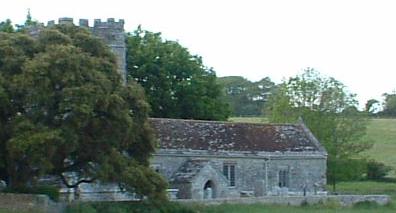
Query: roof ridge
[{"x": 225, "y": 122}]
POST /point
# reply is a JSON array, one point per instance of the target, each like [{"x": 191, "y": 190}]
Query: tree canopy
[
  {"x": 64, "y": 110},
  {"x": 389, "y": 105},
  {"x": 244, "y": 97},
  {"x": 6, "y": 26},
  {"x": 177, "y": 84},
  {"x": 328, "y": 109}
]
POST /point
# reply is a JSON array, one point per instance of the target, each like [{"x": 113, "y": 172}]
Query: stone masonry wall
[{"x": 259, "y": 175}]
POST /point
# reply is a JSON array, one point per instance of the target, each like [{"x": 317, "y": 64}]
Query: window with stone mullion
[
  {"x": 229, "y": 173},
  {"x": 283, "y": 178}
]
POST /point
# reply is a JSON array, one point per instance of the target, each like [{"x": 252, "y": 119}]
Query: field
[{"x": 383, "y": 133}]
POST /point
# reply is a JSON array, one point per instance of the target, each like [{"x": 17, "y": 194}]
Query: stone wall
[
  {"x": 112, "y": 33},
  {"x": 258, "y": 175},
  {"x": 29, "y": 202},
  {"x": 343, "y": 200}
]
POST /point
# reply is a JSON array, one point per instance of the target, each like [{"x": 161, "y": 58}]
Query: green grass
[
  {"x": 383, "y": 133},
  {"x": 119, "y": 207},
  {"x": 366, "y": 187},
  {"x": 261, "y": 208}
]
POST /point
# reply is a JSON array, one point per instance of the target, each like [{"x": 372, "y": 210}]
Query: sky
[{"x": 353, "y": 41}]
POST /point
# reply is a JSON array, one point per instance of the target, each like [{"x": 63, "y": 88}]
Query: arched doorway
[{"x": 209, "y": 190}]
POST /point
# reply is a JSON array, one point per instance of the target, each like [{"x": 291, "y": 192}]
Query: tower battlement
[
  {"x": 110, "y": 31},
  {"x": 110, "y": 23}
]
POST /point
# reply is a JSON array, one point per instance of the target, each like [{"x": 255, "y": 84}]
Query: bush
[
  {"x": 51, "y": 191},
  {"x": 129, "y": 207},
  {"x": 347, "y": 169},
  {"x": 366, "y": 205},
  {"x": 171, "y": 207},
  {"x": 81, "y": 208},
  {"x": 377, "y": 170}
]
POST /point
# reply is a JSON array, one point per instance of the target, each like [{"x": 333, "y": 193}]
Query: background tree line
[
  {"x": 244, "y": 97},
  {"x": 386, "y": 109}
]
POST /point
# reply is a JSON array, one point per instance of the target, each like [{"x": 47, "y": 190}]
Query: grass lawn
[
  {"x": 366, "y": 187},
  {"x": 115, "y": 207},
  {"x": 260, "y": 208},
  {"x": 383, "y": 133}
]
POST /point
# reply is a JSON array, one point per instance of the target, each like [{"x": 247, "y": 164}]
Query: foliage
[
  {"x": 389, "y": 105},
  {"x": 329, "y": 111},
  {"x": 366, "y": 205},
  {"x": 345, "y": 169},
  {"x": 372, "y": 106},
  {"x": 29, "y": 22},
  {"x": 177, "y": 84},
  {"x": 51, "y": 191},
  {"x": 377, "y": 170},
  {"x": 64, "y": 111},
  {"x": 130, "y": 207},
  {"x": 244, "y": 97},
  {"x": 6, "y": 26}
]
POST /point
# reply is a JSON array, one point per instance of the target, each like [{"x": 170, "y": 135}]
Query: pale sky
[{"x": 353, "y": 41}]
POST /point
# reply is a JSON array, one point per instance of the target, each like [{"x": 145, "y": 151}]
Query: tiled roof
[{"x": 227, "y": 136}]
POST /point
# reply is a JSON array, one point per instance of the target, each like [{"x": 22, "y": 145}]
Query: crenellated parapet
[
  {"x": 112, "y": 33},
  {"x": 109, "y": 24}
]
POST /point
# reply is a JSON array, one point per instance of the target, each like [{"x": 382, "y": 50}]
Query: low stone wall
[
  {"x": 344, "y": 200},
  {"x": 29, "y": 202}
]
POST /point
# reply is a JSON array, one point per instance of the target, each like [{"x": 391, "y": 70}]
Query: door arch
[{"x": 209, "y": 190}]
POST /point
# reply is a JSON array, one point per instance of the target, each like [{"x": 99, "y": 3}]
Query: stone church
[{"x": 210, "y": 159}]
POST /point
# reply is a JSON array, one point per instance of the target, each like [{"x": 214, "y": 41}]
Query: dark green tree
[
  {"x": 6, "y": 26},
  {"x": 330, "y": 112},
  {"x": 29, "y": 23},
  {"x": 177, "y": 84},
  {"x": 244, "y": 97},
  {"x": 371, "y": 106},
  {"x": 389, "y": 105},
  {"x": 64, "y": 110}
]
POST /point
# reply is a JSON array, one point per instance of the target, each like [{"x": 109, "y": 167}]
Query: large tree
[
  {"x": 177, "y": 84},
  {"x": 64, "y": 110},
  {"x": 6, "y": 26},
  {"x": 246, "y": 98},
  {"x": 389, "y": 105},
  {"x": 329, "y": 110}
]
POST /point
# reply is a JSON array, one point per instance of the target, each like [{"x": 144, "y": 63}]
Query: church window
[
  {"x": 283, "y": 178},
  {"x": 229, "y": 173}
]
